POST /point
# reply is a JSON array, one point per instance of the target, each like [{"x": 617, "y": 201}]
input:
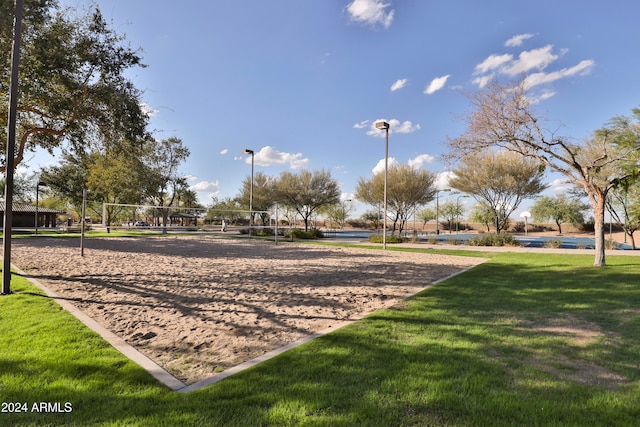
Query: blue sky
[{"x": 302, "y": 82}]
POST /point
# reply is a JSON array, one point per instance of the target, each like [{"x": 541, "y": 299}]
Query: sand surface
[{"x": 199, "y": 305}]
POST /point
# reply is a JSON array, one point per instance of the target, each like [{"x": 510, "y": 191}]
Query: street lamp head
[
  {"x": 247, "y": 151},
  {"x": 382, "y": 125}
]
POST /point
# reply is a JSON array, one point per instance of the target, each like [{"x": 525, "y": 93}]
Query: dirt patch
[{"x": 200, "y": 305}]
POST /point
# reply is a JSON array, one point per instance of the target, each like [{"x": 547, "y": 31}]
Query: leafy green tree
[
  {"x": 339, "y": 212},
  {"x": 559, "y": 209},
  {"x": 373, "y": 217},
  {"x": 24, "y": 188},
  {"x": 451, "y": 212},
  {"x": 115, "y": 178},
  {"x": 503, "y": 117},
  {"x": 263, "y": 195},
  {"x": 407, "y": 188},
  {"x": 623, "y": 205},
  {"x": 228, "y": 209},
  {"x": 501, "y": 178},
  {"x": 72, "y": 84},
  {"x": 482, "y": 213},
  {"x": 163, "y": 180},
  {"x": 68, "y": 179},
  {"x": 425, "y": 215},
  {"x": 307, "y": 191}
]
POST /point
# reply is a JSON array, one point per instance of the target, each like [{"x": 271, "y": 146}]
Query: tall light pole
[
  {"x": 11, "y": 144},
  {"x": 458, "y": 207},
  {"x": 37, "y": 202},
  {"x": 247, "y": 151},
  {"x": 437, "y": 209},
  {"x": 385, "y": 126}
]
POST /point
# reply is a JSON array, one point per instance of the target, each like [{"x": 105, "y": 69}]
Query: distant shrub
[
  {"x": 610, "y": 244},
  {"x": 393, "y": 238},
  {"x": 493, "y": 239},
  {"x": 314, "y": 233},
  {"x": 453, "y": 241},
  {"x": 553, "y": 243},
  {"x": 587, "y": 227}
]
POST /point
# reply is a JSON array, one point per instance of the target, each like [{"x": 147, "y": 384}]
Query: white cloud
[
  {"x": 561, "y": 185},
  {"x": 206, "y": 186},
  {"x": 398, "y": 85},
  {"x": 363, "y": 124},
  {"x": 379, "y": 168},
  {"x": 146, "y": 109},
  {"x": 436, "y": 84},
  {"x": 225, "y": 151},
  {"x": 492, "y": 62},
  {"x": 517, "y": 40},
  {"x": 420, "y": 160},
  {"x": 395, "y": 126},
  {"x": 268, "y": 156},
  {"x": 482, "y": 81},
  {"x": 537, "y": 59},
  {"x": 371, "y": 12},
  {"x": 584, "y": 67},
  {"x": 442, "y": 180},
  {"x": 530, "y": 63}
]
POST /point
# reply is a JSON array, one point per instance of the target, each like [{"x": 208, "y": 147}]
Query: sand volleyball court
[{"x": 199, "y": 305}]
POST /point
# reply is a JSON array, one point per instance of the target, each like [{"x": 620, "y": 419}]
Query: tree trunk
[{"x": 599, "y": 228}]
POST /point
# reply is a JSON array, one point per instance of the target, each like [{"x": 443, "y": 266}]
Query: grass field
[{"x": 524, "y": 339}]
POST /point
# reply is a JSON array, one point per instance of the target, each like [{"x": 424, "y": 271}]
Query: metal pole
[
  {"x": 276, "y": 227},
  {"x": 84, "y": 212},
  {"x": 386, "y": 173},
  {"x": 11, "y": 144},
  {"x": 437, "y": 206},
  {"x": 251, "y": 195},
  {"x": 37, "y": 196}
]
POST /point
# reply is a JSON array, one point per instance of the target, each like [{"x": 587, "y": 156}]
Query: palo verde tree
[
  {"x": 503, "y": 116},
  {"x": 407, "y": 188},
  {"x": 451, "y": 212},
  {"x": 559, "y": 209},
  {"x": 500, "y": 178},
  {"x": 306, "y": 192},
  {"x": 263, "y": 195},
  {"x": 72, "y": 84},
  {"x": 623, "y": 204}
]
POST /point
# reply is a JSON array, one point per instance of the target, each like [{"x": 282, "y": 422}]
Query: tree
[
  {"x": 114, "y": 178},
  {"x": 163, "y": 180},
  {"x": 503, "y": 116},
  {"x": 559, "y": 209},
  {"x": 482, "y": 213},
  {"x": 407, "y": 188},
  {"x": 338, "y": 212},
  {"x": 24, "y": 188},
  {"x": 623, "y": 204},
  {"x": 426, "y": 215},
  {"x": 307, "y": 191},
  {"x": 451, "y": 211},
  {"x": 501, "y": 178},
  {"x": 372, "y": 217},
  {"x": 68, "y": 179},
  {"x": 227, "y": 209},
  {"x": 73, "y": 89},
  {"x": 263, "y": 195}
]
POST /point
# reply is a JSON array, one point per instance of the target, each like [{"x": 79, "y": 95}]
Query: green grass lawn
[{"x": 524, "y": 339}]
